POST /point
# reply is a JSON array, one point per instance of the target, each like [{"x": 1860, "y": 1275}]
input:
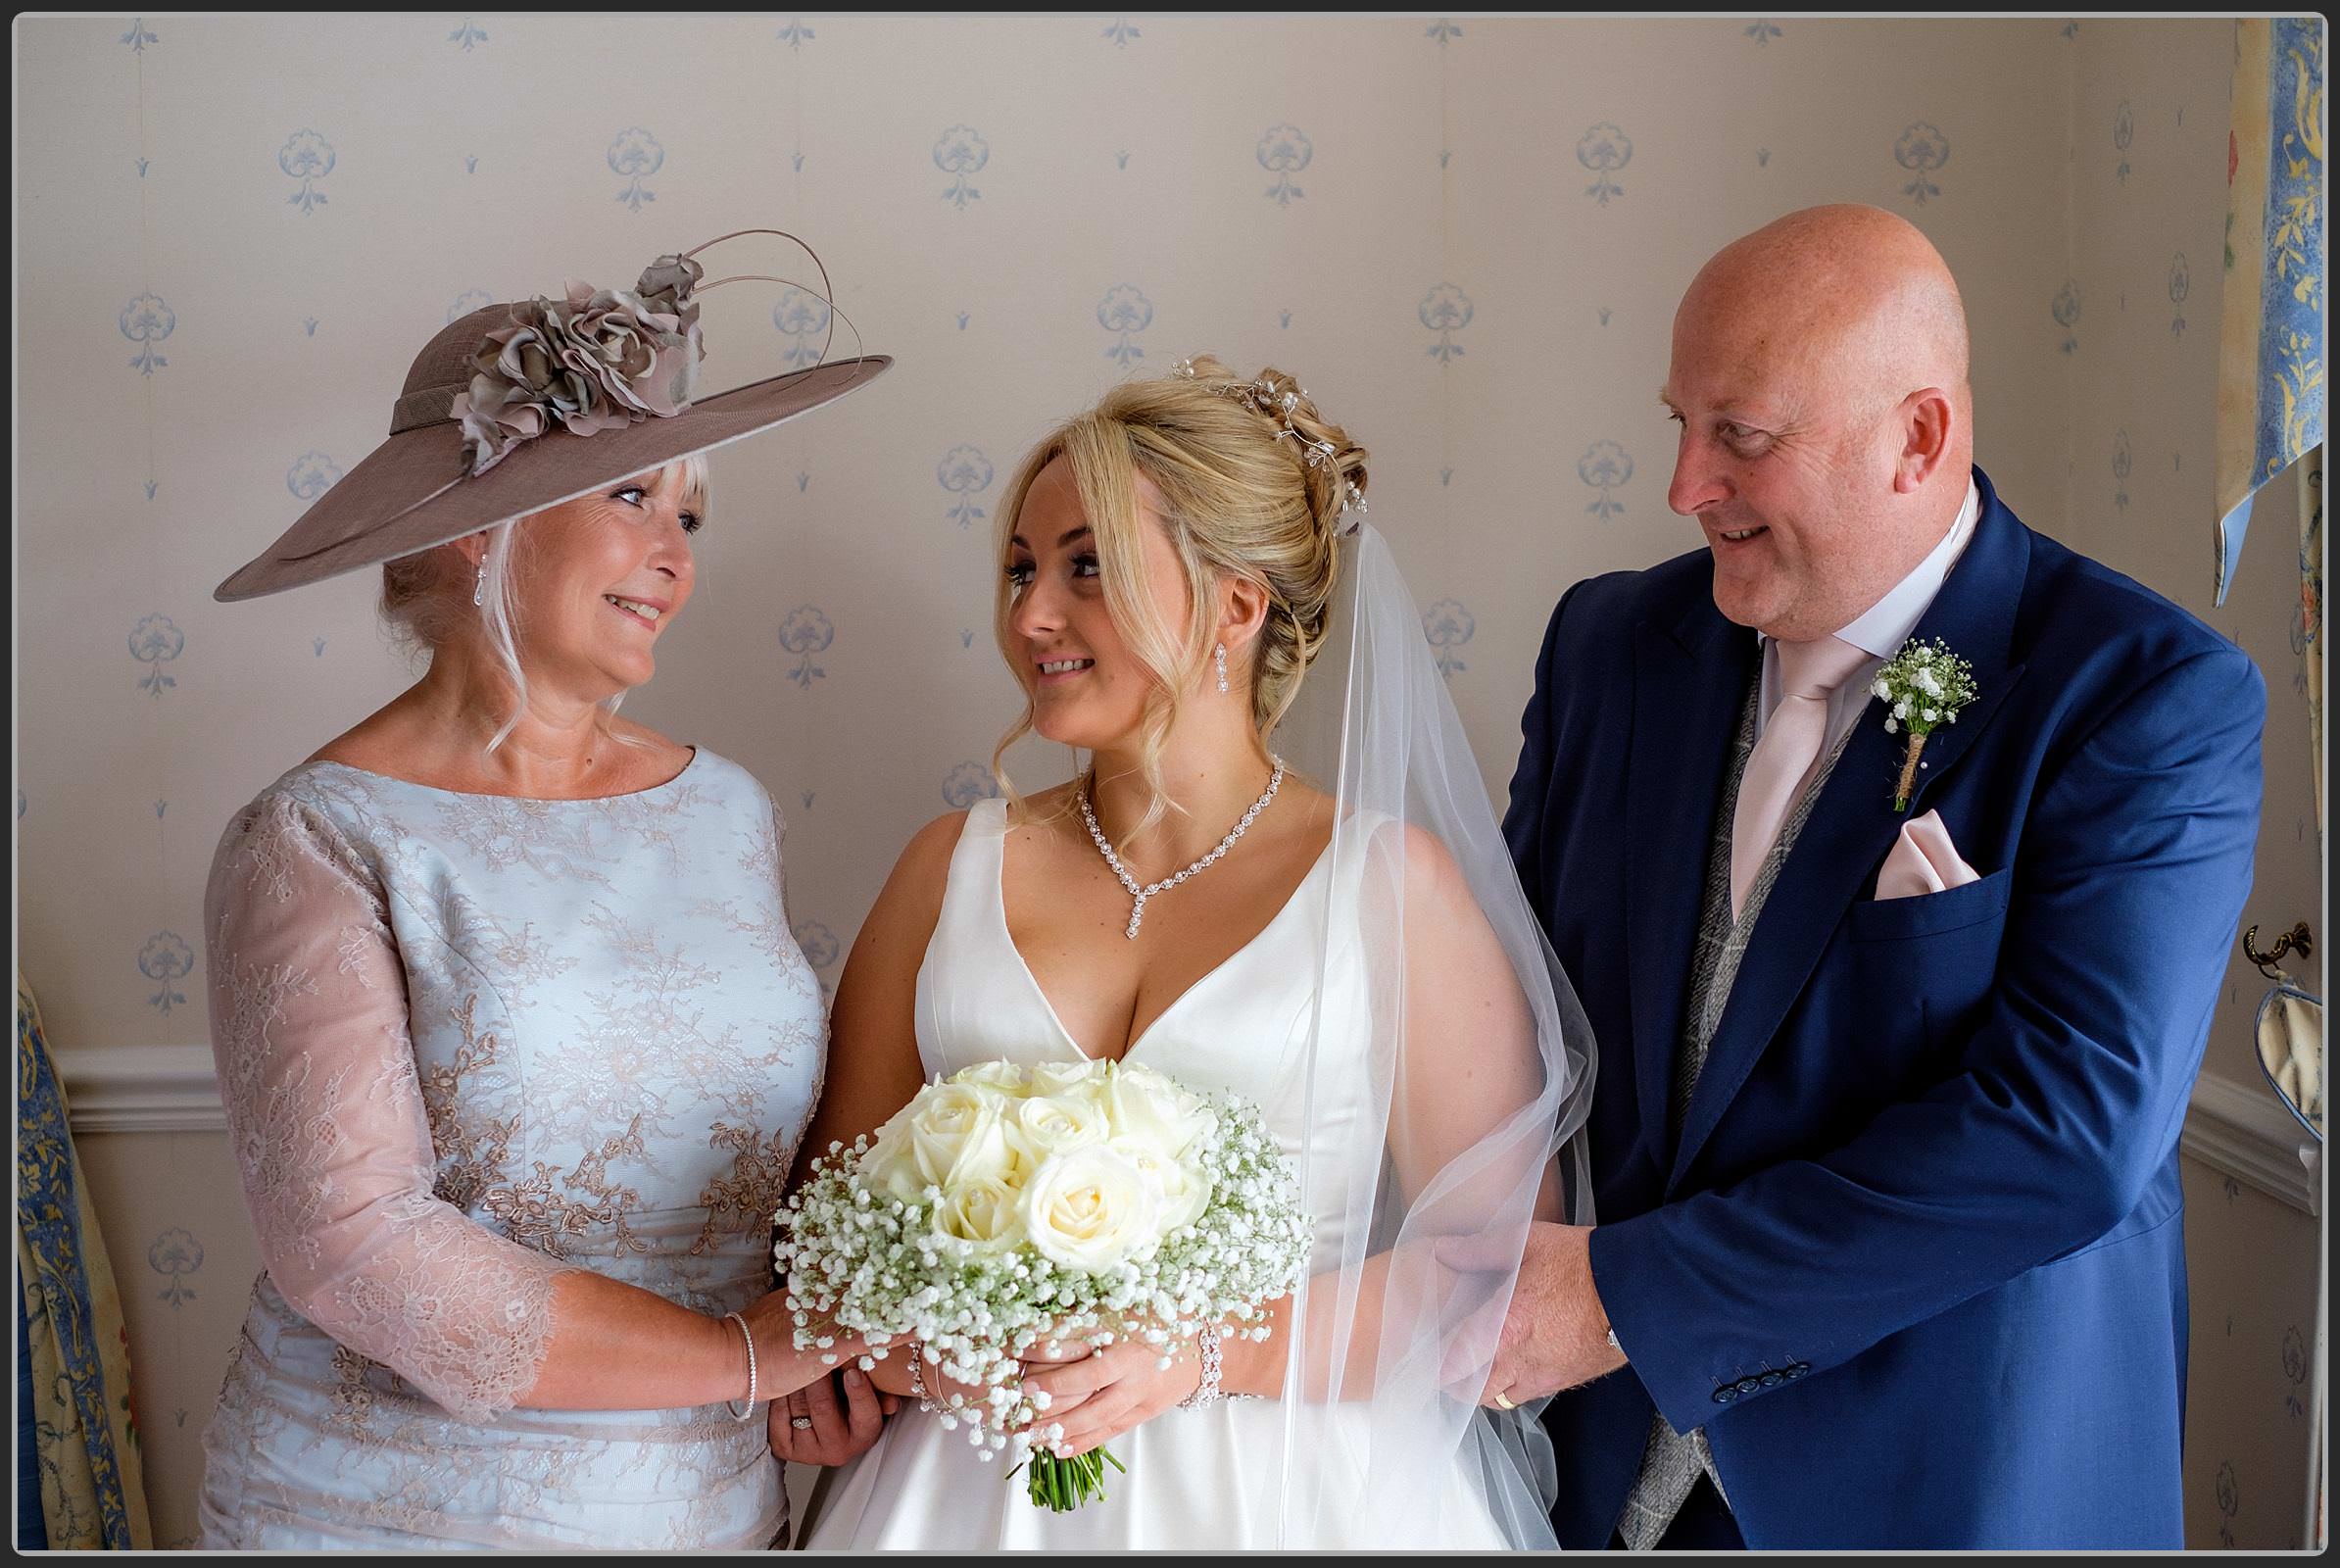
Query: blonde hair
[
  {"x": 425, "y": 606},
  {"x": 1237, "y": 500}
]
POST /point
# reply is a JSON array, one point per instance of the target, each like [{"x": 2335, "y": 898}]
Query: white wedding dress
[{"x": 1233, "y": 1475}]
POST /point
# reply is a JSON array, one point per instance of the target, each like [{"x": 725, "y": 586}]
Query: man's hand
[{"x": 1555, "y": 1335}]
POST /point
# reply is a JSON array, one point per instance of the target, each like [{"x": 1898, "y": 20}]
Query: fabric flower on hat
[{"x": 596, "y": 360}]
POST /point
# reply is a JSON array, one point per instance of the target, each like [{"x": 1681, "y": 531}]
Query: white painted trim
[
  {"x": 142, "y": 1089},
  {"x": 2237, "y": 1129},
  {"x": 2244, "y": 1131}
]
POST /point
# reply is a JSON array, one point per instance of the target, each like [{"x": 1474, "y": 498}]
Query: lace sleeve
[{"x": 326, "y": 1119}]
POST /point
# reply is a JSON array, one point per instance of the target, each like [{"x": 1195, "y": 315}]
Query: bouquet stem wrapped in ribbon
[{"x": 1002, "y": 1209}]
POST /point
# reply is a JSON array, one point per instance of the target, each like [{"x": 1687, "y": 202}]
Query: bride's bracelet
[
  {"x": 1206, "y": 1392},
  {"x": 918, "y": 1378}
]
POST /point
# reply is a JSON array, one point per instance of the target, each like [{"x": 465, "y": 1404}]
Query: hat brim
[{"x": 388, "y": 506}]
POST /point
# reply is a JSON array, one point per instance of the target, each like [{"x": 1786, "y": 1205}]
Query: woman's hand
[
  {"x": 829, "y": 1420},
  {"x": 1103, "y": 1395}
]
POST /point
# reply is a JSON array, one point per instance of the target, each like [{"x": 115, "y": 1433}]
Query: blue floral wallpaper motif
[
  {"x": 965, "y": 473},
  {"x": 1446, "y": 309},
  {"x": 807, "y": 632},
  {"x": 1604, "y": 149},
  {"x": 138, "y": 38},
  {"x": 1449, "y": 626},
  {"x": 146, "y": 322},
  {"x": 968, "y": 783},
  {"x": 2124, "y": 130},
  {"x": 166, "y": 960},
  {"x": 1284, "y": 151},
  {"x": 962, "y": 151},
  {"x": 311, "y": 475},
  {"x": 1442, "y": 31},
  {"x": 2181, "y": 284},
  {"x": 1121, "y": 32},
  {"x": 308, "y": 158},
  {"x": 467, "y": 36},
  {"x": 157, "y": 640},
  {"x": 470, "y": 300},
  {"x": 1922, "y": 150},
  {"x": 801, "y": 317},
  {"x": 796, "y": 34},
  {"x": 1125, "y": 310},
  {"x": 1605, "y": 467},
  {"x": 818, "y": 942},
  {"x": 1764, "y": 32},
  {"x": 2065, "y": 309},
  {"x": 177, "y": 1256},
  {"x": 2122, "y": 461},
  {"x": 636, "y": 155}
]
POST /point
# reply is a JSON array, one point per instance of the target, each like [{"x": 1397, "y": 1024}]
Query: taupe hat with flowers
[{"x": 516, "y": 408}]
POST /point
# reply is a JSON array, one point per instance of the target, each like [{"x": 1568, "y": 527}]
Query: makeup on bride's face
[{"x": 1087, "y": 689}]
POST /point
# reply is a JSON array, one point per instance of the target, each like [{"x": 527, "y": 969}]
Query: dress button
[
  {"x": 1772, "y": 1380},
  {"x": 1726, "y": 1393}
]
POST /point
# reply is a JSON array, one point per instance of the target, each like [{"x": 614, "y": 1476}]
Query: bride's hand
[{"x": 1103, "y": 1395}]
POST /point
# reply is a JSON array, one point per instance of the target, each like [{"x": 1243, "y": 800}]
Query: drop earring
[
  {"x": 480, "y": 586},
  {"x": 1219, "y": 658}
]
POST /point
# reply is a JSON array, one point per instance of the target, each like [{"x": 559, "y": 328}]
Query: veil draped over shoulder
[{"x": 1478, "y": 1064}]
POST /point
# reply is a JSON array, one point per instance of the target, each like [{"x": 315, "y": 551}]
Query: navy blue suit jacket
[{"x": 1916, "y": 1263}]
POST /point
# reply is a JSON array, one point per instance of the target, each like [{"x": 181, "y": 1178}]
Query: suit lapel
[
  {"x": 1690, "y": 677},
  {"x": 1834, "y": 860}
]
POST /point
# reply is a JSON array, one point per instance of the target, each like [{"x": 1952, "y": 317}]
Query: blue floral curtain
[
  {"x": 74, "y": 1354},
  {"x": 2272, "y": 330}
]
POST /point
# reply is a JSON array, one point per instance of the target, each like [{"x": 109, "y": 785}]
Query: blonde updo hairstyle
[
  {"x": 426, "y": 597},
  {"x": 1239, "y": 500}
]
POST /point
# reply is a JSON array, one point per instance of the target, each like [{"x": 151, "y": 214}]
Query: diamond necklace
[{"x": 1141, "y": 894}]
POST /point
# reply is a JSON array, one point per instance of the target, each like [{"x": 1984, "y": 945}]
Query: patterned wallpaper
[{"x": 1465, "y": 235}]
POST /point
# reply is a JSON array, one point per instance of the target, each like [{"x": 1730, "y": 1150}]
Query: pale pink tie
[{"x": 1783, "y": 759}]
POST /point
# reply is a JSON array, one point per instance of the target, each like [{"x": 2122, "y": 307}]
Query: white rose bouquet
[{"x": 1076, "y": 1203}]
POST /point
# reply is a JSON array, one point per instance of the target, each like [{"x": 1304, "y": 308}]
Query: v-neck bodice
[{"x": 1243, "y": 1028}]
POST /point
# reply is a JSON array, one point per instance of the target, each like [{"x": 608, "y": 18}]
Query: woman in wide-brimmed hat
[{"x": 514, "y": 1041}]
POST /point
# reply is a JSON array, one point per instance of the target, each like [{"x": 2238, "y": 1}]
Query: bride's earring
[
  {"x": 1219, "y": 658},
  {"x": 480, "y": 586}
]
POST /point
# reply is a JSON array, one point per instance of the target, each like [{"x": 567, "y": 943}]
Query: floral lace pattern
[{"x": 468, "y": 1043}]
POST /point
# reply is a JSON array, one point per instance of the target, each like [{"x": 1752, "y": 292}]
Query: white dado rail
[{"x": 2236, "y": 1129}]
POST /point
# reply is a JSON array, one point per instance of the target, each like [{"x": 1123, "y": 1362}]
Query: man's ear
[{"x": 1926, "y": 421}]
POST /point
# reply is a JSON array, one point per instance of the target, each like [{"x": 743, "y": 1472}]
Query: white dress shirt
[{"x": 1879, "y": 631}]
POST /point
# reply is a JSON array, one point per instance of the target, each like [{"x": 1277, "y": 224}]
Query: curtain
[
  {"x": 2272, "y": 329},
  {"x": 74, "y": 1353}
]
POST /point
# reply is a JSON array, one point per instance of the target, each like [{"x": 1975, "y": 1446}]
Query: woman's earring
[
  {"x": 1219, "y": 658},
  {"x": 480, "y": 586}
]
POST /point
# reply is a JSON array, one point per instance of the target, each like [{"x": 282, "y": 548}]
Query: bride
[{"x": 1305, "y": 902}]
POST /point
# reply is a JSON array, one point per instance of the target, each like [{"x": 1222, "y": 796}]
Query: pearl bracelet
[{"x": 747, "y": 1415}]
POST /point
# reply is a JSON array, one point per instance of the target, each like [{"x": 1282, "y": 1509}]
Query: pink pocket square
[{"x": 1923, "y": 861}]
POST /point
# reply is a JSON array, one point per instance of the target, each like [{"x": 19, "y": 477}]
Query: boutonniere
[{"x": 1924, "y": 685}]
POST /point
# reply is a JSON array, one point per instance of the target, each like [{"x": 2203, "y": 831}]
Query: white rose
[
  {"x": 1152, "y": 1110},
  {"x": 982, "y": 1214},
  {"x": 1089, "y": 1208},
  {"x": 1181, "y": 1190},
  {"x": 958, "y": 1133},
  {"x": 1054, "y": 1124},
  {"x": 1068, "y": 1077},
  {"x": 887, "y": 1166},
  {"x": 1003, "y": 1076}
]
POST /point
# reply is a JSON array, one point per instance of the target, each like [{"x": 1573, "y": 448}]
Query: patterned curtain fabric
[
  {"x": 2271, "y": 341},
  {"x": 92, "y": 1493},
  {"x": 2307, "y": 638}
]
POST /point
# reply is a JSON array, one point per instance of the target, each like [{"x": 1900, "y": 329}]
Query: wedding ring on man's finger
[{"x": 1504, "y": 1403}]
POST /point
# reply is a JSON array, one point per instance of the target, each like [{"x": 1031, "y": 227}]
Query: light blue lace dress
[{"x": 467, "y": 1042}]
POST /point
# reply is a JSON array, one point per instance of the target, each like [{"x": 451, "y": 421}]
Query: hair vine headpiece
[{"x": 1264, "y": 398}]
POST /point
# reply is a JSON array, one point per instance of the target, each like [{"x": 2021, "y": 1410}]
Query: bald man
[{"x": 1885, "y": 1143}]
